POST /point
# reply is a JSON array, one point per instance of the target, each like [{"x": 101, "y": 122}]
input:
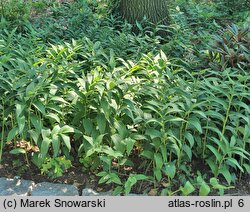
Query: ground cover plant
[{"x": 142, "y": 108}]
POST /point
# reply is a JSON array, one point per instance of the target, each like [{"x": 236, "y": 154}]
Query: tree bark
[{"x": 156, "y": 11}]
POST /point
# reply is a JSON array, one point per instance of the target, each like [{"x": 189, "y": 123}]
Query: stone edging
[{"x": 19, "y": 187}]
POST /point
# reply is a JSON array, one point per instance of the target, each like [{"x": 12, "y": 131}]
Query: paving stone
[
  {"x": 54, "y": 189},
  {"x": 136, "y": 194},
  {"x": 20, "y": 187},
  {"x": 108, "y": 193},
  {"x": 89, "y": 192},
  {"x": 15, "y": 187}
]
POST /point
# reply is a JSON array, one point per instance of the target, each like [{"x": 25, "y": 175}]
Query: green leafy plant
[
  {"x": 17, "y": 12},
  {"x": 231, "y": 48},
  {"x": 55, "y": 167},
  {"x": 233, "y": 6}
]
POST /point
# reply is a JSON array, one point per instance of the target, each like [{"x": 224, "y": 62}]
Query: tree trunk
[{"x": 156, "y": 11}]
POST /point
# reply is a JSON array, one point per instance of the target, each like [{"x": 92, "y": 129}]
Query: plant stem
[
  {"x": 2, "y": 138},
  {"x": 182, "y": 136},
  {"x": 2, "y": 7},
  {"x": 241, "y": 158},
  {"x": 27, "y": 159},
  {"x": 226, "y": 119},
  {"x": 205, "y": 140}
]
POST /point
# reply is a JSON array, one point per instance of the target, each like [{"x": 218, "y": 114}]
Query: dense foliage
[{"x": 168, "y": 115}]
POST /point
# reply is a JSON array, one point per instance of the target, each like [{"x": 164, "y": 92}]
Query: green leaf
[
  {"x": 92, "y": 151},
  {"x": 170, "y": 169},
  {"x": 119, "y": 143},
  {"x": 163, "y": 56},
  {"x": 115, "y": 178},
  {"x": 66, "y": 129},
  {"x": 173, "y": 119},
  {"x": 190, "y": 139},
  {"x": 36, "y": 122},
  {"x": 45, "y": 146},
  {"x": 129, "y": 183},
  {"x": 40, "y": 107},
  {"x": 204, "y": 189},
  {"x": 147, "y": 154},
  {"x": 138, "y": 137},
  {"x": 215, "y": 152},
  {"x": 246, "y": 132},
  {"x": 46, "y": 133},
  {"x": 199, "y": 178},
  {"x": 158, "y": 175},
  {"x": 164, "y": 153},
  {"x": 196, "y": 123},
  {"x": 129, "y": 145},
  {"x": 109, "y": 151},
  {"x": 30, "y": 89},
  {"x": 104, "y": 179},
  {"x": 88, "y": 126},
  {"x": 54, "y": 117},
  {"x": 55, "y": 145},
  {"x": 56, "y": 130},
  {"x": 139, "y": 26},
  {"x": 188, "y": 151},
  {"x": 89, "y": 139},
  {"x": 235, "y": 162},
  {"x": 140, "y": 177},
  {"x": 101, "y": 174},
  {"x": 214, "y": 182},
  {"x": 242, "y": 104},
  {"x": 177, "y": 149},
  {"x": 105, "y": 107},
  {"x": 5, "y": 84},
  {"x": 34, "y": 135},
  {"x": 155, "y": 121},
  {"x": 21, "y": 123},
  {"x": 101, "y": 123},
  {"x": 17, "y": 151},
  {"x": 111, "y": 84},
  {"x": 107, "y": 161},
  {"x": 212, "y": 164},
  {"x": 12, "y": 134},
  {"x": 225, "y": 172},
  {"x": 188, "y": 189},
  {"x": 240, "y": 152},
  {"x": 66, "y": 140},
  {"x": 121, "y": 129},
  {"x": 215, "y": 114},
  {"x": 54, "y": 107},
  {"x": 247, "y": 167},
  {"x": 58, "y": 99},
  {"x": 158, "y": 160},
  {"x": 117, "y": 190},
  {"x": 152, "y": 133}
]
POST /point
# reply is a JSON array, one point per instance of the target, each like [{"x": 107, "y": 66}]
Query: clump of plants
[
  {"x": 15, "y": 11},
  {"x": 231, "y": 48},
  {"x": 233, "y": 6},
  {"x": 55, "y": 167}
]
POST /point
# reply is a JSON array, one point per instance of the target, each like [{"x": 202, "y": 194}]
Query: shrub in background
[{"x": 17, "y": 12}]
